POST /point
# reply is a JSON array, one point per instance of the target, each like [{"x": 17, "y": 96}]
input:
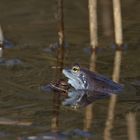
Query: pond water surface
[{"x": 32, "y": 27}]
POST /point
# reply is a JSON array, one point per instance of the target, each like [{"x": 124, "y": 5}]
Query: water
[{"x": 31, "y": 26}]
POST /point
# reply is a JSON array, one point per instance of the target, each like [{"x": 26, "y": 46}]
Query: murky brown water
[{"x": 31, "y": 26}]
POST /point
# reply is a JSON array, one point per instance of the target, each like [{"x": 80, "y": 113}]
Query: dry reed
[
  {"x": 117, "y": 65},
  {"x": 94, "y": 43}
]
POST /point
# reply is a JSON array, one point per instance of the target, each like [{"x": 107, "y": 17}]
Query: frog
[{"x": 88, "y": 86}]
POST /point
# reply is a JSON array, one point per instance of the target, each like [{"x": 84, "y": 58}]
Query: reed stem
[
  {"x": 117, "y": 65},
  {"x": 60, "y": 60},
  {"x": 94, "y": 43}
]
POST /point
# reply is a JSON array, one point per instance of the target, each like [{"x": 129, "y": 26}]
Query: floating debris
[
  {"x": 47, "y": 136},
  {"x": 1, "y": 35},
  {"x": 4, "y": 42},
  {"x": 136, "y": 83},
  {"x": 46, "y": 88},
  {"x": 66, "y": 135},
  {"x": 82, "y": 133},
  {"x": 53, "y": 47},
  {"x": 8, "y": 44},
  {"x": 56, "y": 67},
  {"x": 89, "y": 50},
  {"x": 124, "y": 47},
  {"x": 10, "y": 62},
  {"x": 6, "y": 121},
  {"x": 58, "y": 86},
  {"x": 4, "y": 134}
]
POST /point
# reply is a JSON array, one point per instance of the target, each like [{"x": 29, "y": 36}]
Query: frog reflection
[{"x": 88, "y": 86}]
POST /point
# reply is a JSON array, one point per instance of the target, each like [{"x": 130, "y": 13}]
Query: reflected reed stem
[{"x": 131, "y": 125}]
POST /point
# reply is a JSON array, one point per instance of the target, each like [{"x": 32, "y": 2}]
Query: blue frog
[{"x": 87, "y": 86}]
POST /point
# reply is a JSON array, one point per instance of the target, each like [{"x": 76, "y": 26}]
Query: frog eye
[{"x": 75, "y": 68}]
